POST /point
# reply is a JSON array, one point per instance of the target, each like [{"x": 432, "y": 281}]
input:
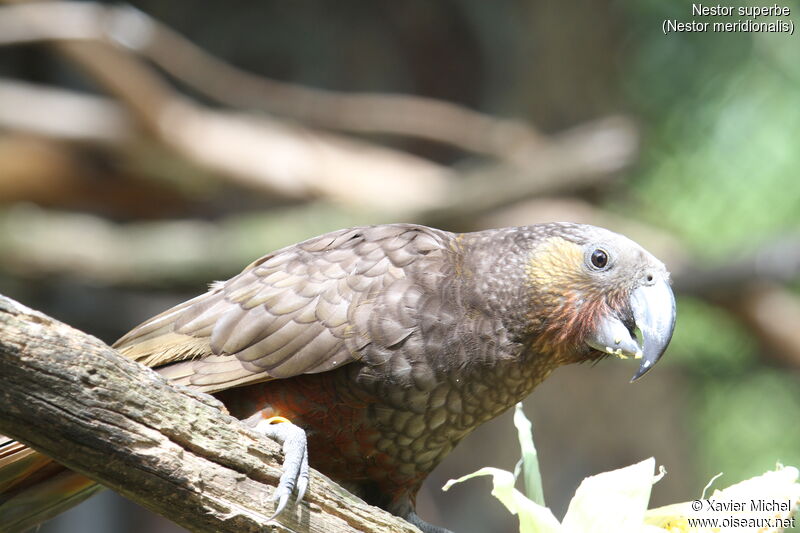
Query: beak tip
[{"x": 643, "y": 369}]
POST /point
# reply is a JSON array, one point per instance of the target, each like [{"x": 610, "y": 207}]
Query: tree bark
[{"x": 173, "y": 450}]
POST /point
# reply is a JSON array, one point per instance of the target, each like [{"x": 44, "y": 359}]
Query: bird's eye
[{"x": 599, "y": 258}]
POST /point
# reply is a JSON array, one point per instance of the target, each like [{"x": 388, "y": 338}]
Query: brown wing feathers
[{"x": 306, "y": 308}]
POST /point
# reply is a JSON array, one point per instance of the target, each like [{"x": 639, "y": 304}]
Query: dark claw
[
  {"x": 295, "y": 462},
  {"x": 424, "y": 526}
]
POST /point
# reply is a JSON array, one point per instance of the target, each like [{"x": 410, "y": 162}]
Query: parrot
[{"x": 371, "y": 352}]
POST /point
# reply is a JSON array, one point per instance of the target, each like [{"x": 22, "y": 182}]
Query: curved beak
[{"x": 653, "y": 309}]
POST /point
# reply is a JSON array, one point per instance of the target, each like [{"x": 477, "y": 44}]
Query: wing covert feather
[{"x": 307, "y": 308}]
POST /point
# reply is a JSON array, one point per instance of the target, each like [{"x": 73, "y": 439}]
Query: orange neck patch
[{"x": 565, "y": 302}]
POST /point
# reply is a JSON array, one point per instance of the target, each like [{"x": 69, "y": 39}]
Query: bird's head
[{"x": 595, "y": 293}]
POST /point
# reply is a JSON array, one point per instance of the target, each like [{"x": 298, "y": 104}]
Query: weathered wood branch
[{"x": 175, "y": 451}]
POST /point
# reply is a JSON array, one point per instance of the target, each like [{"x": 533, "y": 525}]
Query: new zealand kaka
[{"x": 389, "y": 344}]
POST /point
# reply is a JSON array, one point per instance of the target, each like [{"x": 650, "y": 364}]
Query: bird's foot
[
  {"x": 424, "y": 526},
  {"x": 295, "y": 462}
]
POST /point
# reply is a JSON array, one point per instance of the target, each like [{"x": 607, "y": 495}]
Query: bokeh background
[{"x": 147, "y": 149}]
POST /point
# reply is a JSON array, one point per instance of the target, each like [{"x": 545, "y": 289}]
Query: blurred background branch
[
  {"x": 234, "y": 144},
  {"x": 773, "y": 262},
  {"x": 405, "y": 115}
]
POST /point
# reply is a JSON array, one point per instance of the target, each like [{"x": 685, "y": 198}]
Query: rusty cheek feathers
[{"x": 565, "y": 302}]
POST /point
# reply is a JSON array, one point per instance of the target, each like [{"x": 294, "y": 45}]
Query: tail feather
[
  {"x": 17, "y": 463},
  {"x": 34, "y": 488}
]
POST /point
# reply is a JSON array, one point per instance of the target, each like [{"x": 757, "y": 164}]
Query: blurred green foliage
[
  {"x": 723, "y": 115},
  {"x": 745, "y": 416},
  {"x": 748, "y": 422},
  {"x": 719, "y": 170},
  {"x": 710, "y": 343}
]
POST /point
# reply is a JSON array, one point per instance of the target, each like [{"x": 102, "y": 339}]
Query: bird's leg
[
  {"x": 424, "y": 526},
  {"x": 295, "y": 452}
]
